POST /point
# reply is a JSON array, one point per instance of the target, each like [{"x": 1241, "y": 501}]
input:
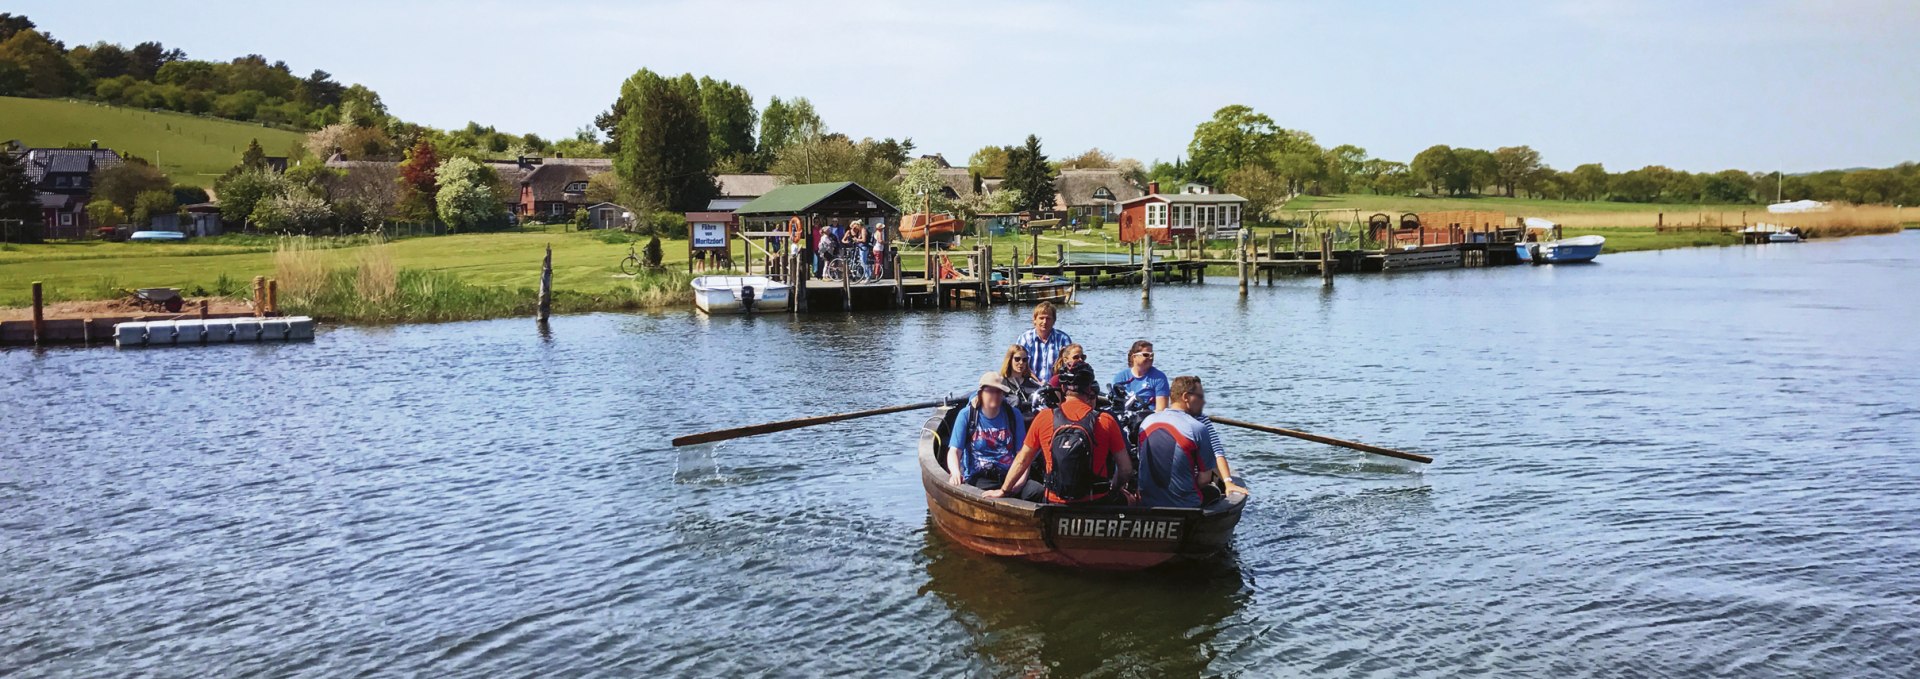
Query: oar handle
[
  {"x": 1377, "y": 450},
  {"x": 784, "y": 425}
]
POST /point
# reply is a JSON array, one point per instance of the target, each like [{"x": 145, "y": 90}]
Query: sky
[{"x": 1758, "y": 85}]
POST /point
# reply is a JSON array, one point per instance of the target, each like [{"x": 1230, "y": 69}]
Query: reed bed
[
  {"x": 370, "y": 288},
  {"x": 1840, "y": 221}
]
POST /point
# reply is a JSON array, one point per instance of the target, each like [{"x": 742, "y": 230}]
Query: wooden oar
[
  {"x": 783, "y": 425},
  {"x": 1377, "y": 450}
]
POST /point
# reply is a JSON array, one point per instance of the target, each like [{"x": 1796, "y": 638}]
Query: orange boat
[{"x": 945, "y": 227}]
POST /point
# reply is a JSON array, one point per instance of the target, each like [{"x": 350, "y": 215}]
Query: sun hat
[{"x": 993, "y": 379}]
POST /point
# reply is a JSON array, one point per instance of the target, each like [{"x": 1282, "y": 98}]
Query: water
[{"x": 1686, "y": 463}]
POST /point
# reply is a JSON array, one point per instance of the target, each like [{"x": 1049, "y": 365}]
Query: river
[{"x": 1682, "y": 463}]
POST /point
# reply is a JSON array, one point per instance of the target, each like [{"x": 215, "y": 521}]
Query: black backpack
[{"x": 1070, "y": 455}]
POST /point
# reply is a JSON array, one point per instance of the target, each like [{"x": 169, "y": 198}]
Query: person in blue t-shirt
[
  {"x": 985, "y": 437},
  {"x": 1145, "y": 383}
]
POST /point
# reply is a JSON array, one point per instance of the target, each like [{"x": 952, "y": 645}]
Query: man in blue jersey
[{"x": 1178, "y": 462}]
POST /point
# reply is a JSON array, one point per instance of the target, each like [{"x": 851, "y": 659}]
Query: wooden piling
[
  {"x": 39, "y": 316},
  {"x": 1146, "y": 269},
  {"x": 1326, "y": 260},
  {"x": 899, "y": 285},
  {"x": 273, "y": 296},
  {"x": 260, "y": 296},
  {"x": 846, "y": 287},
  {"x": 1060, "y": 253},
  {"x": 1013, "y": 280},
  {"x": 545, "y": 307},
  {"x": 1240, "y": 258},
  {"x": 984, "y": 272},
  {"x": 203, "y": 309}
]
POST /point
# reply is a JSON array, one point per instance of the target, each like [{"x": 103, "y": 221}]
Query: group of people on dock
[
  {"x": 1040, "y": 429},
  {"x": 859, "y": 243}
]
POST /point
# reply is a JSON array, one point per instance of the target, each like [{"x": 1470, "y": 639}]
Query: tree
[
  {"x": 1480, "y": 169},
  {"x": 1590, "y": 181},
  {"x": 418, "y": 183},
  {"x": 102, "y": 60},
  {"x": 147, "y": 58},
  {"x": 1437, "y": 167},
  {"x": 355, "y": 143},
  {"x": 254, "y": 157},
  {"x": 18, "y": 199},
  {"x": 47, "y": 71},
  {"x": 1393, "y": 178},
  {"x": 11, "y": 24},
  {"x": 1636, "y": 186},
  {"x": 1346, "y": 166},
  {"x": 296, "y": 212},
  {"x": 1264, "y": 189},
  {"x": 728, "y": 109},
  {"x": 1234, "y": 137},
  {"x": 1091, "y": 159},
  {"x": 1513, "y": 165},
  {"x": 835, "y": 158},
  {"x": 989, "y": 161},
  {"x": 150, "y": 204},
  {"x": 466, "y": 197},
  {"x": 1728, "y": 186},
  {"x": 104, "y": 213},
  {"x": 124, "y": 183},
  {"x": 242, "y": 192},
  {"x": 1029, "y": 173},
  {"x": 922, "y": 178},
  {"x": 784, "y": 123},
  {"x": 664, "y": 149}
]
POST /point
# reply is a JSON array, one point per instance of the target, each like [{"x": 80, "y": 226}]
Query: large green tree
[
  {"x": 1029, "y": 173},
  {"x": 728, "y": 109},
  {"x": 18, "y": 201},
  {"x": 785, "y": 123},
  {"x": 664, "y": 152},
  {"x": 1513, "y": 165},
  {"x": 989, "y": 161},
  {"x": 1236, "y": 136},
  {"x": 124, "y": 183},
  {"x": 467, "y": 196},
  {"x": 1590, "y": 181},
  {"x": 43, "y": 64}
]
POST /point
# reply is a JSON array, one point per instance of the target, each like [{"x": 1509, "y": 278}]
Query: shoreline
[{"x": 335, "y": 291}]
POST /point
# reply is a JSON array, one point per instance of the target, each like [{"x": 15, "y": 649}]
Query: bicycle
[
  {"x": 846, "y": 264},
  {"x": 632, "y": 265}
]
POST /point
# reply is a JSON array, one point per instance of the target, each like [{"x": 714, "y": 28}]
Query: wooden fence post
[
  {"x": 899, "y": 286},
  {"x": 1326, "y": 259},
  {"x": 259, "y": 296},
  {"x": 1146, "y": 268},
  {"x": 984, "y": 271},
  {"x": 1060, "y": 253},
  {"x": 1240, "y": 258},
  {"x": 1013, "y": 283},
  {"x": 39, "y": 317},
  {"x": 545, "y": 306},
  {"x": 273, "y": 296}
]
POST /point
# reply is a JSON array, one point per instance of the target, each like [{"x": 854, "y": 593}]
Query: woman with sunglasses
[
  {"x": 1016, "y": 367},
  {"x": 1145, "y": 383}
]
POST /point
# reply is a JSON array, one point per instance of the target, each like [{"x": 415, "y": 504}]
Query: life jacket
[
  {"x": 1071, "y": 476},
  {"x": 1158, "y": 436}
]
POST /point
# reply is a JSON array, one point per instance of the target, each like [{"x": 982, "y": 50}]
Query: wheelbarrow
[{"x": 157, "y": 299}]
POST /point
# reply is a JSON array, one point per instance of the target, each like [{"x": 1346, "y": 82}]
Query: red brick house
[
  {"x": 556, "y": 187},
  {"x": 1166, "y": 216},
  {"x": 64, "y": 178}
]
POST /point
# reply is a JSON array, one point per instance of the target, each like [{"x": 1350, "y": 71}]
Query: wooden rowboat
[
  {"x": 945, "y": 227},
  {"x": 1102, "y": 538}
]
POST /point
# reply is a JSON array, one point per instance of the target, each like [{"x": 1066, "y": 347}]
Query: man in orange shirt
[{"x": 1083, "y": 456}]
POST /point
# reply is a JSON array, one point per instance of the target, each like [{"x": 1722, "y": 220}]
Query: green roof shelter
[{"x": 837, "y": 201}]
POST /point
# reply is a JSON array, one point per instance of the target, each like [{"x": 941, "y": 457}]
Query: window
[
  {"x": 576, "y": 187},
  {"x": 1102, "y": 193},
  {"x": 1156, "y": 215},
  {"x": 66, "y": 219},
  {"x": 555, "y": 208},
  {"x": 1186, "y": 216},
  {"x": 1233, "y": 216}
]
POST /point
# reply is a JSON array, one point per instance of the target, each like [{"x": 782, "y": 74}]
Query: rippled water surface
[{"x": 1691, "y": 463}]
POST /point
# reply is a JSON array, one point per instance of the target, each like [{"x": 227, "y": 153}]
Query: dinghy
[{"x": 739, "y": 294}]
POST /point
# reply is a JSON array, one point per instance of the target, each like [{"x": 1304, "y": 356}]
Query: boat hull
[
  {"x": 1569, "y": 251},
  {"x": 1098, "y": 538},
  {"x": 719, "y": 295}
]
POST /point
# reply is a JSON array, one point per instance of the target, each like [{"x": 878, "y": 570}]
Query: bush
[
  {"x": 581, "y": 219},
  {"x": 669, "y": 224},
  {"x": 1096, "y": 222},
  {"x": 653, "y": 254}
]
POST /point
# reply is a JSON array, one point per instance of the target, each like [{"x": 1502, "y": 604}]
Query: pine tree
[
  {"x": 254, "y": 157},
  {"x": 18, "y": 200},
  {"x": 1028, "y": 173},
  {"x": 664, "y": 151}
]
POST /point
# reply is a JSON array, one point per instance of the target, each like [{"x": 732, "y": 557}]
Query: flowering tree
[{"x": 466, "y": 197}]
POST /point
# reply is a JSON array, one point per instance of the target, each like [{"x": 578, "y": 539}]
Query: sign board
[{"x": 709, "y": 235}]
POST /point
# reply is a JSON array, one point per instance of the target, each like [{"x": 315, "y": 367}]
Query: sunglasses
[
  {"x": 1145, "y": 354},
  {"x": 1019, "y": 359}
]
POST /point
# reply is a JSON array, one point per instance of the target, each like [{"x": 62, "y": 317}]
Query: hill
[{"x": 191, "y": 149}]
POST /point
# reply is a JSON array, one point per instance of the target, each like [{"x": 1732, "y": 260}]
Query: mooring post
[
  {"x": 1326, "y": 260},
  {"x": 985, "y": 272},
  {"x": 899, "y": 286},
  {"x": 1146, "y": 268},
  {"x": 1013, "y": 281},
  {"x": 39, "y": 316},
  {"x": 846, "y": 288},
  {"x": 273, "y": 296},
  {"x": 545, "y": 306},
  {"x": 260, "y": 296},
  {"x": 800, "y": 273},
  {"x": 1060, "y": 254},
  {"x": 203, "y": 309},
  {"x": 1240, "y": 258}
]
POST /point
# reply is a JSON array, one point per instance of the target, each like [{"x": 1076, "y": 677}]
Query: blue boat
[{"x": 1566, "y": 251}]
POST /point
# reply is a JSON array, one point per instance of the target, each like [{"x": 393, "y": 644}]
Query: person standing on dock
[
  {"x": 1043, "y": 343},
  {"x": 879, "y": 238}
]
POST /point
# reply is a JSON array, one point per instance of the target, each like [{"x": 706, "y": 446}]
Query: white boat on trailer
[{"x": 739, "y": 294}]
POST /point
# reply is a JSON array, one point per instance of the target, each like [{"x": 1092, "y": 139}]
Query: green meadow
[{"x": 192, "y": 150}]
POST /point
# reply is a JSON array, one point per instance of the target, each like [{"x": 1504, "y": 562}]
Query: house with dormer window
[
  {"x": 64, "y": 180},
  {"x": 556, "y": 187},
  {"x": 1094, "y": 192}
]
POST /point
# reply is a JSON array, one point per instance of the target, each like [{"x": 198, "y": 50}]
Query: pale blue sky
[{"x": 1693, "y": 85}]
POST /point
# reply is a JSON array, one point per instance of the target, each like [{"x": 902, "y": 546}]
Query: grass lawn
[
  {"x": 190, "y": 149},
  {"x": 1512, "y": 206},
  {"x": 582, "y": 263}
]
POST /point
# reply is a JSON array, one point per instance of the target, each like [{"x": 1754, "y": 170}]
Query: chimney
[{"x": 1153, "y": 188}]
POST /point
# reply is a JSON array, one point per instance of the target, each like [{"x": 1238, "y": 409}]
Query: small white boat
[
  {"x": 739, "y": 294},
  {"x": 160, "y": 236},
  {"x": 1783, "y": 237}
]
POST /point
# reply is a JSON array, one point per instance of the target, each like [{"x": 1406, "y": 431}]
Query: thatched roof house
[{"x": 1094, "y": 192}]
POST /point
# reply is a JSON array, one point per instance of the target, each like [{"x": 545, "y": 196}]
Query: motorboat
[{"x": 739, "y": 294}]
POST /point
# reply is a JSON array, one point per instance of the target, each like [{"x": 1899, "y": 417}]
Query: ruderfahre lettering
[{"x": 1121, "y": 529}]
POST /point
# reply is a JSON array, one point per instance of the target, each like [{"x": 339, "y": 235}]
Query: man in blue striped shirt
[{"x": 1043, "y": 343}]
